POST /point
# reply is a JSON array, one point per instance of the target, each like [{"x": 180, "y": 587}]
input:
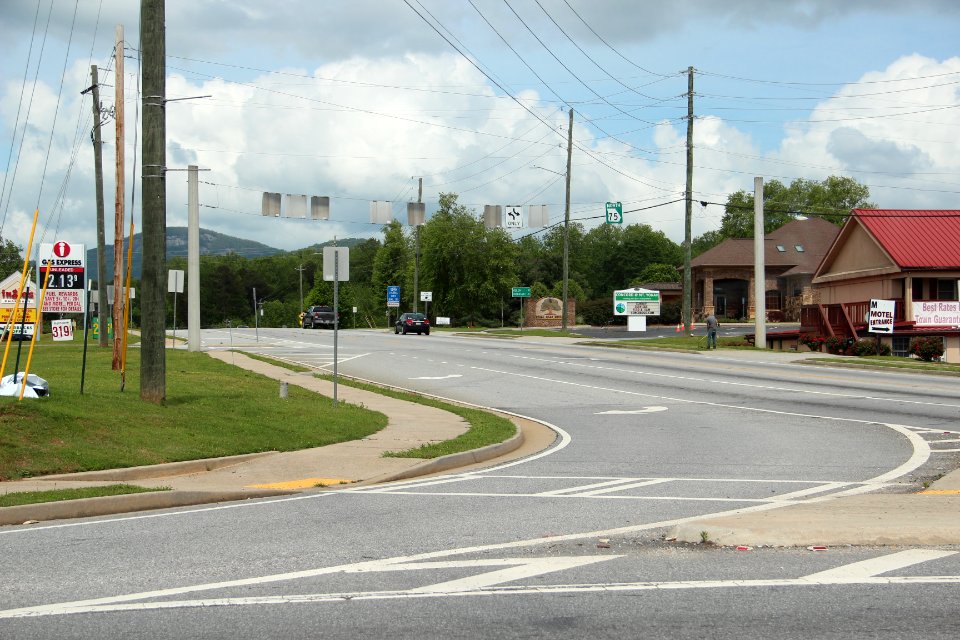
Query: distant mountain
[{"x": 211, "y": 244}]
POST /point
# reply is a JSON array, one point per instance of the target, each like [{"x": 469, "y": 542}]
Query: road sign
[
  {"x": 520, "y": 292},
  {"x": 881, "y": 315},
  {"x": 636, "y": 302},
  {"x": 614, "y": 213},
  {"x": 393, "y": 296},
  {"x": 513, "y": 217},
  {"x": 336, "y": 259},
  {"x": 63, "y": 266},
  {"x": 426, "y": 296}
]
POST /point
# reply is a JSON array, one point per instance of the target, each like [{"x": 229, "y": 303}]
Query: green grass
[
  {"x": 681, "y": 342},
  {"x": 19, "y": 498},
  {"x": 888, "y": 362},
  {"x": 278, "y": 363},
  {"x": 485, "y": 428},
  {"x": 212, "y": 409}
]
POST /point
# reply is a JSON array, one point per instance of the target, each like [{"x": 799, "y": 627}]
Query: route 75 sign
[{"x": 614, "y": 213}]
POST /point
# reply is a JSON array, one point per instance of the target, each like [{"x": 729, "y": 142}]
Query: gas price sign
[{"x": 63, "y": 268}]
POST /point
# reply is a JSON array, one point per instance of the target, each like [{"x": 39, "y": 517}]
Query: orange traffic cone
[{"x": 679, "y": 328}]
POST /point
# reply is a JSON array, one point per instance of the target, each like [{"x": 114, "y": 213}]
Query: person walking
[{"x": 712, "y": 325}]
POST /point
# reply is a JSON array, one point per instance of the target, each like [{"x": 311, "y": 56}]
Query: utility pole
[
  {"x": 416, "y": 254},
  {"x": 153, "y": 387},
  {"x": 566, "y": 224},
  {"x": 300, "y": 269},
  {"x": 688, "y": 216},
  {"x": 759, "y": 271},
  {"x": 120, "y": 190},
  {"x": 193, "y": 258},
  {"x": 102, "y": 302}
]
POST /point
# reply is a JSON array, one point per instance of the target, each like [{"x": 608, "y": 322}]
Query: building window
[
  {"x": 901, "y": 346},
  {"x": 798, "y": 247},
  {"x": 918, "y": 288},
  {"x": 945, "y": 289},
  {"x": 781, "y": 248}
]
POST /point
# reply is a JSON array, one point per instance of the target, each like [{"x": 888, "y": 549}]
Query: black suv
[
  {"x": 412, "y": 322},
  {"x": 316, "y": 317}
]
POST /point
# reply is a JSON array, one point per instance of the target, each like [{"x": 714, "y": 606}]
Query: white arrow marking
[
  {"x": 631, "y": 412},
  {"x": 452, "y": 375}
]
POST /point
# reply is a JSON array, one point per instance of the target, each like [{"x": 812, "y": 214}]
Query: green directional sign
[
  {"x": 520, "y": 292},
  {"x": 614, "y": 213}
]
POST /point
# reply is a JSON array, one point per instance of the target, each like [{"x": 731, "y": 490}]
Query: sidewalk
[
  {"x": 359, "y": 462},
  {"x": 928, "y": 518}
]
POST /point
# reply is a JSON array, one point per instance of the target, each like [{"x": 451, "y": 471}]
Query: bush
[
  {"x": 812, "y": 341},
  {"x": 836, "y": 345},
  {"x": 869, "y": 347},
  {"x": 597, "y": 312},
  {"x": 775, "y": 316},
  {"x": 927, "y": 348}
]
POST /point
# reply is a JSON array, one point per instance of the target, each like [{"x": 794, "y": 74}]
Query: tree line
[{"x": 470, "y": 269}]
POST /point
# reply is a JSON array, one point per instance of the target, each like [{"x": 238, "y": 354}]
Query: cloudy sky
[{"x": 357, "y": 99}]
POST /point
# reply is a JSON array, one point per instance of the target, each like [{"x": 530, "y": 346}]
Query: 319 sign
[{"x": 62, "y": 329}]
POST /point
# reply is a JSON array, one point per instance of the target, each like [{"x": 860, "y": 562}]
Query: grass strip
[
  {"x": 19, "y": 498},
  {"x": 485, "y": 428},
  {"x": 212, "y": 409}
]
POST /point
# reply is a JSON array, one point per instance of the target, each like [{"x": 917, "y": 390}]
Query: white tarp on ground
[{"x": 36, "y": 386}]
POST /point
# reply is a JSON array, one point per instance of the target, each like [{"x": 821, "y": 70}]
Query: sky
[{"x": 358, "y": 100}]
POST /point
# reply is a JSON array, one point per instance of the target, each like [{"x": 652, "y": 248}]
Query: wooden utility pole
[
  {"x": 119, "y": 205},
  {"x": 688, "y": 217},
  {"x": 102, "y": 303},
  {"x": 416, "y": 254},
  {"x": 153, "y": 370}
]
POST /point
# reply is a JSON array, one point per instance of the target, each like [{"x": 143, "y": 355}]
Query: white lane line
[
  {"x": 617, "y": 412},
  {"x": 711, "y": 381},
  {"x": 632, "y": 485},
  {"x": 851, "y": 573},
  {"x": 578, "y": 489},
  {"x": 859, "y": 573}
]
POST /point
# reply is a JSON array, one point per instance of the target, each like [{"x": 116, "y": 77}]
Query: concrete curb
[
  {"x": 165, "y": 470},
  {"x": 452, "y": 461},
  {"x": 109, "y": 505}
]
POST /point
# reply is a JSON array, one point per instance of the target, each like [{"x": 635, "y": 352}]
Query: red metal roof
[{"x": 916, "y": 239}]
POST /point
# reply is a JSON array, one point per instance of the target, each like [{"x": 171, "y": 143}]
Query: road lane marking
[
  {"x": 852, "y": 573},
  {"x": 491, "y": 583},
  {"x": 305, "y": 483},
  {"x": 617, "y": 412}
]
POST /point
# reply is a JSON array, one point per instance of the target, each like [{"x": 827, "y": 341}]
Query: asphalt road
[{"x": 564, "y": 544}]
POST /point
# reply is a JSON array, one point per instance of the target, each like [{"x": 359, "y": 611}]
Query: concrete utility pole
[
  {"x": 119, "y": 203},
  {"x": 153, "y": 386},
  {"x": 759, "y": 271},
  {"x": 193, "y": 259},
  {"x": 688, "y": 217},
  {"x": 416, "y": 254},
  {"x": 103, "y": 304},
  {"x": 566, "y": 225}
]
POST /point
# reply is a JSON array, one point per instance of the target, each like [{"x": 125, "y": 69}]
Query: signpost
[
  {"x": 880, "y": 317},
  {"x": 336, "y": 267},
  {"x": 426, "y": 297},
  {"x": 614, "y": 213},
  {"x": 521, "y": 292}
]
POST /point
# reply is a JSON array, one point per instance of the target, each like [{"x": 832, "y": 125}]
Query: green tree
[
  {"x": 391, "y": 262},
  {"x": 832, "y": 199},
  {"x": 469, "y": 269},
  {"x": 11, "y": 257},
  {"x": 657, "y": 272}
]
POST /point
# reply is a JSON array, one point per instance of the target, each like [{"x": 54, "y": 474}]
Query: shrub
[
  {"x": 869, "y": 347},
  {"x": 927, "y": 348},
  {"x": 812, "y": 341},
  {"x": 836, "y": 345},
  {"x": 775, "y": 316}
]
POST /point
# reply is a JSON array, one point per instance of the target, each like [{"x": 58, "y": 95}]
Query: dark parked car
[
  {"x": 412, "y": 322},
  {"x": 316, "y": 317}
]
